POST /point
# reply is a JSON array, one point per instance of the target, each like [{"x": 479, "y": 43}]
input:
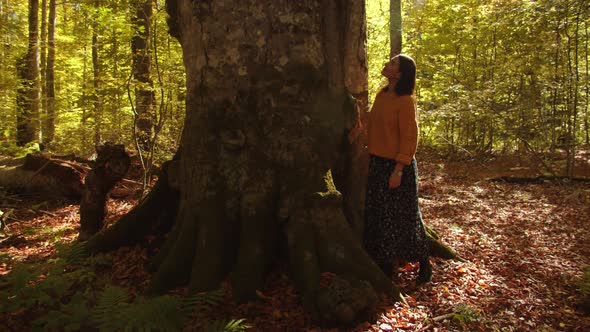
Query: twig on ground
[
  {"x": 49, "y": 213},
  {"x": 443, "y": 317}
]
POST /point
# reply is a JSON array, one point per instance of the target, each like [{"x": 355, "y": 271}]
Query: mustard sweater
[{"x": 393, "y": 127}]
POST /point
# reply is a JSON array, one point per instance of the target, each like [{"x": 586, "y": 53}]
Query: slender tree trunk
[
  {"x": 83, "y": 129},
  {"x": 570, "y": 101},
  {"x": 50, "y": 76},
  {"x": 586, "y": 114},
  {"x": 576, "y": 91},
  {"x": 42, "y": 69},
  {"x": 555, "y": 121},
  {"x": 395, "y": 27},
  {"x": 116, "y": 113},
  {"x": 2, "y": 24},
  {"x": 28, "y": 92},
  {"x": 96, "y": 81},
  {"x": 144, "y": 93}
]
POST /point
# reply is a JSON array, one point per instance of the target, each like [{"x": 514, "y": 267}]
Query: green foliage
[
  {"x": 72, "y": 254},
  {"x": 63, "y": 288},
  {"x": 465, "y": 313},
  {"x": 493, "y": 74},
  {"x": 34, "y": 286},
  {"x": 234, "y": 325},
  {"x": 202, "y": 301},
  {"x": 377, "y": 43},
  {"x": 12, "y": 150},
  {"x": 79, "y": 123},
  {"x": 72, "y": 316},
  {"x": 584, "y": 283},
  {"x": 115, "y": 311}
]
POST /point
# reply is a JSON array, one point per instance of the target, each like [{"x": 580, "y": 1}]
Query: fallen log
[
  {"x": 39, "y": 173},
  {"x": 42, "y": 173},
  {"x": 537, "y": 179}
]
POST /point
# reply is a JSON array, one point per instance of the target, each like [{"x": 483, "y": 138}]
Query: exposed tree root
[
  {"x": 310, "y": 220},
  {"x": 154, "y": 214}
]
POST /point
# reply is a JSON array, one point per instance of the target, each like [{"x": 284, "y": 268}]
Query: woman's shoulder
[{"x": 406, "y": 100}]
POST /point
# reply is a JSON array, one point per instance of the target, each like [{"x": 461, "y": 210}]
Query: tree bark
[
  {"x": 586, "y": 113},
  {"x": 27, "y": 127},
  {"x": 42, "y": 69},
  {"x": 144, "y": 94},
  {"x": 270, "y": 120},
  {"x": 111, "y": 165},
  {"x": 49, "y": 133},
  {"x": 96, "y": 81},
  {"x": 395, "y": 27}
]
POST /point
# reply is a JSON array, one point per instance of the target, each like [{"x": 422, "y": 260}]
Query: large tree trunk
[
  {"x": 269, "y": 115},
  {"x": 27, "y": 126}
]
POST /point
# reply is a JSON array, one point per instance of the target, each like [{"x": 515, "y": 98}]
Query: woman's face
[{"x": 391, "y": 69}]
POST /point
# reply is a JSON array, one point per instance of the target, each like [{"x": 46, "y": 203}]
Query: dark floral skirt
[{"x": 393, "y": 222}]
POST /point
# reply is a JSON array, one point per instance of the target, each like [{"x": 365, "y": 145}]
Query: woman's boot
[{"x": 425, "y": 273}]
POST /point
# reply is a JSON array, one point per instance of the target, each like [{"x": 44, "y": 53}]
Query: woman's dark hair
[{"x": 407, "y": 81}]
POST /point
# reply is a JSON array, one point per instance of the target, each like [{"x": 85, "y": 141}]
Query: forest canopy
[{"x": 494, "y": 76}]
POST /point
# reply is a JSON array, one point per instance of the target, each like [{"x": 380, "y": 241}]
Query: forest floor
[{"x": 525, "y": 248}]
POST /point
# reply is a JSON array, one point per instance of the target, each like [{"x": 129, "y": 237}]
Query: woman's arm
[{"x": 408, "y": 131}]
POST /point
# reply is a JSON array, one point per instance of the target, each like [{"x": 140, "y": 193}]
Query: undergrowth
[{"x": 66, "y": 294}]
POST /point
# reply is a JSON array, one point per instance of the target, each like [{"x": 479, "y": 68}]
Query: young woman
[{"x": 394, "y": 230}]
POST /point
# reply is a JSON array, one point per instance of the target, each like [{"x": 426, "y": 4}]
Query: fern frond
[
  {"x": 20, "y": 276},
  {"x": 202, "y": 301},
  {"x": 107, "y": 314},
  {"x": 159, "y": 313},
  {"x": 72, "y": 254},
  {"x": 234, "y": 325}
]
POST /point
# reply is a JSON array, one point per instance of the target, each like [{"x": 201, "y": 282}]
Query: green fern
[
  {"x": 20, "y": 276},
  {"x": 154, "y": 314},
  {"x": 113, "y": 311},
  {"x": 70, "y": 317},
  {"x": 234, "y": 325},
  {"x": 107, "y": 314},
  {"x": 584, "y": 283},
  {"x": 73, "y": 254},
  {"x": 465, "y": 313},
  {"x": 202, "y": 301}
]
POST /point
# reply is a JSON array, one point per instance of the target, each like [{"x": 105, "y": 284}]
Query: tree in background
[
  {"x": 50, "y": 111},
  {"x": 28, "y": 92},
  {"x": 97, "y": 103},
  {"x": 144, "y": 87},
  {"x": 395, "y": 27},
  {"x": 500, "y": 76},
  {"x": 69, "y": 120}
]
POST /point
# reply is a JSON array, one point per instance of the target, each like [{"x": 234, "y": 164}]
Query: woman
[{"x": 393, "y": 223}]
